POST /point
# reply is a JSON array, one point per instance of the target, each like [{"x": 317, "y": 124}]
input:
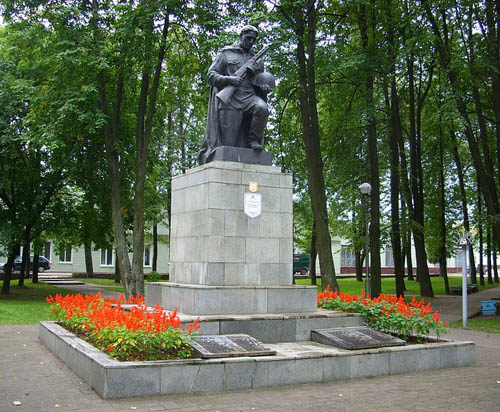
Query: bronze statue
[{"x": 237, "y": 109}]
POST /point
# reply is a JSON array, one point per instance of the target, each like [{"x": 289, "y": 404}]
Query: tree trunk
[
  {"x": 111, "y": 139},
  {"x": 406, "y": 233},
  {"x": 481, "y": 238},
  {"x": 313, "y": 255},
  {"x": 89, "y": 266},
  {"x": 25, "y": 263},
  {"x": 357, "y": 233},
  {"x": 417, "y": 190},
  {"x": 463, "y": 198},
  {"x": 409, "y": 258},
  {"x": 35, "y": 266},
  {"x": 155, "y": 248},
  {"x": 443, "y": 270},
  {"x": 372, "y": 151},
  {"x": 359, "y": 258},
  {"x": 7, "y": 269},
  {"x": 147, "y": 105},
  {"x": 169, "y": 183},
  {"x": 311, "y": 138},
  {"x": 495, "y": 266},
  {"x": 118, "y": 273},
  {"x": 394, "y": 137},
  {"x": 488, "y": 254},
  {"x": 111, "y": 132}
]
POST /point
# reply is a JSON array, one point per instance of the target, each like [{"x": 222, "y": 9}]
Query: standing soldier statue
[{"x": 237, "y": 110}]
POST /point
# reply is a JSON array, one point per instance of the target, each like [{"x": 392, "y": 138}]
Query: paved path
[
  {"x": 451, "y": 306},
  {"x": 30, "y": 374}
]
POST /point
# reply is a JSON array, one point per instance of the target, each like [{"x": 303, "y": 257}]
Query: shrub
[
  {"x": 142, "y": 333},
  {"x": 386, "y": 313},
  {"x": 153, "y": 276}
]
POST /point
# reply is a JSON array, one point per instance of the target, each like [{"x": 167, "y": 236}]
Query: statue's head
[
  {"x": 248, "y": 36},
  {"x": 249, "y": 29}
]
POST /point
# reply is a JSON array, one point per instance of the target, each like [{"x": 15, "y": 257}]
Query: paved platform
[{"x": 32, "y": 375}]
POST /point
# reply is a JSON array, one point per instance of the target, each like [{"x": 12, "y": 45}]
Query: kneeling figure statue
[{"x": 237, "y": 109}]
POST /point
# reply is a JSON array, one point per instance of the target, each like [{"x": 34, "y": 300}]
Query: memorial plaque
[
  {"x": 358, "y": 337},
  {"x": 224, "y": 346},
  {"x": 253, "y": 204}
]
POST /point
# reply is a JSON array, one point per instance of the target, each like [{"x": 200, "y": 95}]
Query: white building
[{"x": 72, "y": 259}]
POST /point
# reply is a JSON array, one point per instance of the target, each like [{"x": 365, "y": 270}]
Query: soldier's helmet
[{"x": 265, "y": 78}]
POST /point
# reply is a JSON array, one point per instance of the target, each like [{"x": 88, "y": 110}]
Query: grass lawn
[
  {"x": 27, "y": 305},
  {"x": 354, "y": 287},
  {"x": 109, "y": 283},
  {"x": 482, "y": 325}
]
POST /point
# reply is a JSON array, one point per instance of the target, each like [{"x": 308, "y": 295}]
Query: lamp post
[
  {"x": 465, "y": 251},
  {"x": 365, "y": 190}
]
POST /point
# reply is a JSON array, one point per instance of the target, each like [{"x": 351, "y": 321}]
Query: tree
[
  {"x": 302, "y": 19},
  {"x": 42, "y": 115},
  {"x": 479, "y": 148}
]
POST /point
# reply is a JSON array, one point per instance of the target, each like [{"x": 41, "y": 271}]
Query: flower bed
[
  {"x": 136, "y": 335},
  {"x": 388, "y": 314}
]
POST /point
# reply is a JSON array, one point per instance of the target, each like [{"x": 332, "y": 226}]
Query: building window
[
  {"x": 106, "y": 257},
  {"x": 147, "y": 256},
  {"x": 389, "y": 257},
  {"x": 347, "y": 256},
  {"x": 65, "y": 256}
]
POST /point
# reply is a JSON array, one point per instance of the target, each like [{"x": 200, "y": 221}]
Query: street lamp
[
  {"x": 366, "y": 189},
  {"x": 465, "y": 247}
]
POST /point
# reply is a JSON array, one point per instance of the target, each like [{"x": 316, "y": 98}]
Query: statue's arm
[
  {"x": 217, "y": 73},
  {"x": 256, "y": 68}
]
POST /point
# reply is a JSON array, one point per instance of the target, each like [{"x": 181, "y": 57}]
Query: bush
[
  {"x": 388, "y": 313},
  {"x": 153, "y": 276},
  {"x": 135, "y": 335}
]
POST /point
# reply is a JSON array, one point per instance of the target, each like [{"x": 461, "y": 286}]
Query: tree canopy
[{"x": 103, "y": 101}]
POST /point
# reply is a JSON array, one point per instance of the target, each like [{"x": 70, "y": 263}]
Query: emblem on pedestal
[{"x": 253, "y": 204}]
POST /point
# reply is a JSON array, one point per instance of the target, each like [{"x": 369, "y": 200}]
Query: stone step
[
  {"x": 274, "y": 328},
  {"x": 46, "y": 275},
  {"x": 294, "y": 363},
  {"x": 61, "y": 282}
]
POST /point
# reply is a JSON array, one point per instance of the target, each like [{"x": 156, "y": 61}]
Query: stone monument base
[
  {"x": 241, "y": 155},
  {"x": 237, "y": 300}
]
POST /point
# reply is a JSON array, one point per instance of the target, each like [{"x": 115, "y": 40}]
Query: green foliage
[
  {"x": 388, "y": 313},
  {"x": 153, "y": 276},
  {"x": 54, "y": 178},
  {"x": 137, "y": 334},
  {"x": 484, "y": 324},
  {"x": 127, "y": 345},
  {"x": 26, "y": 305}
]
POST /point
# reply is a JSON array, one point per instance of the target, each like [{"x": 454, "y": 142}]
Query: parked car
[
  {"x": 301, "y": 263},
  {"x": 43, "y": 264}
]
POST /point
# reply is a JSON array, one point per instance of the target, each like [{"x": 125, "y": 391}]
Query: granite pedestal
[{"x": 221, "y": 260}]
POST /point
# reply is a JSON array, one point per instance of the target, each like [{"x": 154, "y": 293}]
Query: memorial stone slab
[
  {"x": 352, "y": 338},
  {"x": 224, "y": 346}
]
